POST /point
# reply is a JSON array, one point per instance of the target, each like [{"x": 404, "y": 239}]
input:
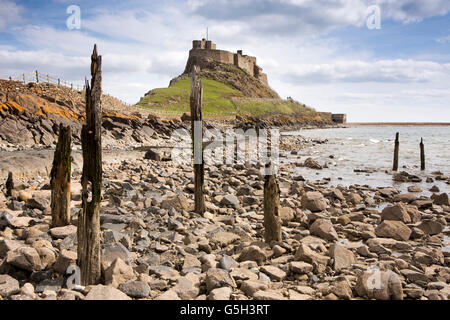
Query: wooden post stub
[
  {"x": 197, "y": 139},
  {"x": 422, "y": 155},
  {"x": 396, "y": 151},
  {"x": 91, "y": 180},
  {"x": 9, "y": 184},
  {"x": 60, "y": 178},
  {"x": 272, "y": 219}
]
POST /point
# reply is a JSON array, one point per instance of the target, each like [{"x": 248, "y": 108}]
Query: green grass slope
[{"x": 218, "y": 99}]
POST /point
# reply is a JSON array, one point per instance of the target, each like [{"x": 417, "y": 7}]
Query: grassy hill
[{"x": 218, "y": 99}]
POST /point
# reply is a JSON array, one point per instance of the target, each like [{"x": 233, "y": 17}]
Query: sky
[{"x": 332, "y": 55}]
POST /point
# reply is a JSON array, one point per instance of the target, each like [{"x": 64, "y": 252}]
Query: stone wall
[{"x": 205, "y": 49}]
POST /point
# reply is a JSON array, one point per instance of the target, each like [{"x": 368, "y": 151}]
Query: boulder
[
  {"x": 314, "y": 201},
  {"x": 63, "y": 232},
  {"x": 253, "y": 253},
  {"x": 221, "y": 294},
  {"x": 65, "y": 259},
  {"x": 312, "y": 164},
  {"x": 379, "y": 285},
  {"x": 135, "y": 289},
  {"x": 152, "y": 155},
  {"x": 343, "y": 258},
  {"x": 178, "y": 202},
  {"x": 442, "y": 200},
  {"x": 38, "y": 203},
  {"x": 393, "y": 229},
  {"x": 25, "y": 258},
  {"x": 218, "y": 278},
  {"x": 324, "y": 229},
  {"x": 397, "y": 212},
  {"x": 8, "y": 286},
  {"x": 101, "y": 292},
  {"x": 431, "y": 227},
  {"x": 118, "y": 272}
]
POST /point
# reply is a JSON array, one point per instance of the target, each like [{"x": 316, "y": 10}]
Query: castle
[{"x": 207, "y": 50}]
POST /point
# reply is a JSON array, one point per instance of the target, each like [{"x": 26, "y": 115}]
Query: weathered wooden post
[
  {"x": 37, "y": 76},
  {"x": 396, "y": 150},
  {"x": 197, "y": 140},
  {"x": 59, "y": 82},
  {"x": 24, "y": 81},
  {"x": 48, "y": 79},
  {"x": 60, "y": 179},
  {"x": 422, "y": 155},
  {"x": 9, "y": 184},
  {"x": 91, "y": 180},
  {"x": 272, "y": 219}
]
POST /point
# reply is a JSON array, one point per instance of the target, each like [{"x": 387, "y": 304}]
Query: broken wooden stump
[
  {"x": 422, "y": 155},
  {"x": 197, "y": 140},
  {"x": 9, "y": 184},
  {"x": 272, "y": 219},
  {"x": 91, "y": 181},
  {"x": 396, "y": 151},
  {"x": 60, "y": 178}
]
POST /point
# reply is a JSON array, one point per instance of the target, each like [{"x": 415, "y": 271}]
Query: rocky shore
[{"x": 353, "y": 242}]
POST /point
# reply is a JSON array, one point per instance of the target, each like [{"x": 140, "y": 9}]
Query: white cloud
[
  {"x": 383, "y": 71},
  {"x": 443, "y": 40},
  {"x": 10, "y": 13}
]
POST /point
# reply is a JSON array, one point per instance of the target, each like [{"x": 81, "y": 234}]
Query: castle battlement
[{"x": 206, "y": 49}]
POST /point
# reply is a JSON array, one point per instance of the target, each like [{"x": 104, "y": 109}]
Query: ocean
[{"x": 372, "y": 148}]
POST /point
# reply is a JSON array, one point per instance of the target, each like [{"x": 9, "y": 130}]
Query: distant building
[
  {"x": 206, "y": 49},
  {"x": 339, "y": 118}
]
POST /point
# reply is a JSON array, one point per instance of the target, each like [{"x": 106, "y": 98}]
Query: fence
[
  {"x": 164, "y": 112},
  {"x": 39, "y": 77}
]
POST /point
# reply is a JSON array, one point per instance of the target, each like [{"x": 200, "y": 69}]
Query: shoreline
[{"x": 397, "y": 124}]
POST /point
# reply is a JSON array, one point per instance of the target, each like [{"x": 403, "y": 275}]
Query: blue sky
[{"x": 320, "y": 52}]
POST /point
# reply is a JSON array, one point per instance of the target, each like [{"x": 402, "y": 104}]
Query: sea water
[{"x": 372, "y": 148}]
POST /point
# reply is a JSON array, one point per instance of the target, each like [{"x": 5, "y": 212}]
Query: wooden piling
[
  {"x": 91, "y": 180},
  {"x": 422, "y": 155},
  {"x": 60, "y": 179},
  {"x": 272, "y": 219},
  {"x": 9, "y": 184},
  {"x": 197, "y": 140},
  {"x": 396, "y": 150}
]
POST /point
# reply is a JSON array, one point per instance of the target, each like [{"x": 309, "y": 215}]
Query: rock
[
  {"x": 230, "y": 200},
  {"x": 178, "y": 202},
  {"x": 169, "y": 295},
  {"x": 101, "y": 292},
  {"x": 152, "y": 155},
  {"x": 217, "y": 278},
  {"x": 396, "y": 213},
  {"x": 300, "y": 267},
  {"x": 343, "y": 258},
  {"x": 24, "y": 195},
  {"x": 393, "y": 229},
  {"x": 415, "y": 189},
  {"x": 227, "y": 263},
  {"x": 342, "y": 289},
  {"x": 38, "y": 203},
  {"x": 379, "y": 285},
  {"x": 25, "y": 258},
  {"x": 191, "y": 261},
  {"x": 222, "y": 294},
  {"x": 252, "y": 253},
  {"x": 119, "y": 272},
  {"x": 8, "y": 245},
  {"x": 46, "y": 252},
  {"x": 164, "y": 272},
  {"x": 287, "y": 214},
  {"x": 274, "y": 273},
  {"x": 415, "y": 277},
  {"x": 225, "y": 238},
  {"x": 8, "y": 286},
  {"x": 312, "y": 164},
  {"x": 442, "y": 200},
  {"x": 268, "y": 295},
  {"x": 50, "y": 285},
  {"x": 113, "y": 251},
  {"x": 324, "y": 229},
  {"x": 431, "y": 227},
  {"x": 187, "y": 287},
  {"x": 63, "y": 232},
  {"x": 354, "y": 198},
  {"x": 306, "y": 254},
  {"x": 65, "y": 259},
  {"x": 135, "y": 289},
  {"x": 249, "y": 287},
  {"x": 314, "y": 201},
  {"x": 27, "y": 289}
]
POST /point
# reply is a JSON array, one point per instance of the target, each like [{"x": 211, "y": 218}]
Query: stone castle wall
[{"x": 204, "y": 49}]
